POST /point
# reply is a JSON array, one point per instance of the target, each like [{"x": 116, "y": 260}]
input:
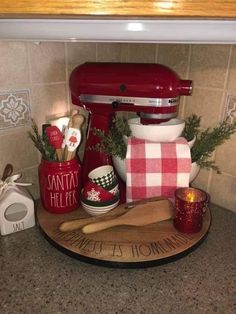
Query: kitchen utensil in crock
[
  {"x": 73, "y": 136},
  {"x": 55, "y": 138},
  {"x": 140, "y": 215}
]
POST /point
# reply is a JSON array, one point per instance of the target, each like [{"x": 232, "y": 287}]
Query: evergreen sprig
[
  {"x": 208, "y": 140},
  {"x": 112, "y": 142},
  {"x": 41, "y": 143},
  {"x": 192, "y": 127}
]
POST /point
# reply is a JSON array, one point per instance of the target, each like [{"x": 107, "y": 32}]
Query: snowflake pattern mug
[{"x": 94, "y": 192}]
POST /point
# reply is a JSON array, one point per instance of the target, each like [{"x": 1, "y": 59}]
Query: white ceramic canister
[{"x": 16, "y": 210}]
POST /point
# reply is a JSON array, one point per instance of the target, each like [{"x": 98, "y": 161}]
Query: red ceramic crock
[{"x": 60, "y": 185}]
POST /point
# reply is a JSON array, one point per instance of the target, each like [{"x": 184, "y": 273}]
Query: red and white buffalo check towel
[{"x": 156, "y": 169}]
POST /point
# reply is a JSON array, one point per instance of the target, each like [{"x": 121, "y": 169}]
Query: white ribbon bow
[{"x": 10, "y": 182}]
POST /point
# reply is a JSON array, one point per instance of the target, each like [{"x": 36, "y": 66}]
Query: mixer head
[{"x": 151, "y": 90}]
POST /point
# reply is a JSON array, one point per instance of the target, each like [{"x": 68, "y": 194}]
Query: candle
[
  {"x": 190, "y": 197},
  {"x": 189, "y": 209}
]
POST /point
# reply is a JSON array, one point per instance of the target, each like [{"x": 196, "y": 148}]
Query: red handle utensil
[{"x": 55, "y": 138}]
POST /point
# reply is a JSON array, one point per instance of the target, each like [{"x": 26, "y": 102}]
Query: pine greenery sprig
[
  {"x": 112, "y": 142},
  {"x": 192, "y": 127},
  {"x": 208, "y": 140},
  {"x": 41, "y": 143}
]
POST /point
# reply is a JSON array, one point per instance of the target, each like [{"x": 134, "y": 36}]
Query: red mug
[
  {"x": 190, "y": 205},
  {"x": 60, "y": 184}
]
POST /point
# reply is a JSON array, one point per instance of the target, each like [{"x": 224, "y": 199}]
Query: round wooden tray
[{"x": 124, "y": 246}]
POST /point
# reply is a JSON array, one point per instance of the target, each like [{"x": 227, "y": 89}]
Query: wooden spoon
[
  {"x": 140, "y": 215},
  {"x": 75, "y": 224},
  {"x": 77, "y": 121}
]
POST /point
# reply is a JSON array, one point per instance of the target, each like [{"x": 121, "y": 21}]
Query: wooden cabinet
[{"x": 119, "y": 9}]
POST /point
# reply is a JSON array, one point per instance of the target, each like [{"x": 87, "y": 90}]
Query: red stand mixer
[{"x": 151, "y": 90}]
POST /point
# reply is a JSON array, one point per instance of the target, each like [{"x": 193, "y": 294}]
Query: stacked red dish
[{"x": 101, "y": 193}]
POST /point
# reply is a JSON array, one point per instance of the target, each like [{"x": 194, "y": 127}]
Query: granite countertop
[{"x": 37, "y": 278}]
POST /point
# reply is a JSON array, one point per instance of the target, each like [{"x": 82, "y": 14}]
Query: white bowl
[
  {"x": 191, "y": 143},
  {"x": 95, "y": 211},
  {"x": 163, "y": 132},
  {"x": 119, "y": 164},
  {"x": 195, "y": 169},
  {"x": 91, "y": 213}
]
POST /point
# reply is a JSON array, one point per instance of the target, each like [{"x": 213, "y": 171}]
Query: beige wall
[{"x": 35, "y": 76}]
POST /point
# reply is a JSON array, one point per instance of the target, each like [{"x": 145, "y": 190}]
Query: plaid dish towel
[{"x": 156, "y": 169}]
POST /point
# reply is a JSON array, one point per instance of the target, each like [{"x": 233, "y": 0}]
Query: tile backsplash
[
  {"x": 34, "y": 83},
  {"x": 230, "y": 108},
  {"x": 14, "y": 108}
]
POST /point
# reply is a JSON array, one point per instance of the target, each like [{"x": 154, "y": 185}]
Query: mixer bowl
[
  {"x": 119, "y": 165},
  {"x": 163, "y": 132}
]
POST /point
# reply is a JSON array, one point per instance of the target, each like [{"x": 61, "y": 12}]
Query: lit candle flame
[{"x": 190, "y": 197}]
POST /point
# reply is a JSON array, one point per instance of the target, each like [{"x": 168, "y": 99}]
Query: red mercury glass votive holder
[{"x": 190, "y": 204}]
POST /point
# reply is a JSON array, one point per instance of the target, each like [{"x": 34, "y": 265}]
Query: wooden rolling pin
[
  {"x": 75, "y": 224},
  {"x": 140, "y": 215}
]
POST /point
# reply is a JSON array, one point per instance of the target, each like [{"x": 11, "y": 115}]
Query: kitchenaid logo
[
  {"x": 172, "y": 100},
  {"x": 63, "y": 189}
]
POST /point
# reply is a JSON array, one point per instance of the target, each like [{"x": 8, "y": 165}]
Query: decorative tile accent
[
  {"x": 230, "y": 108},
  {"x": 14, "y": 108}
]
